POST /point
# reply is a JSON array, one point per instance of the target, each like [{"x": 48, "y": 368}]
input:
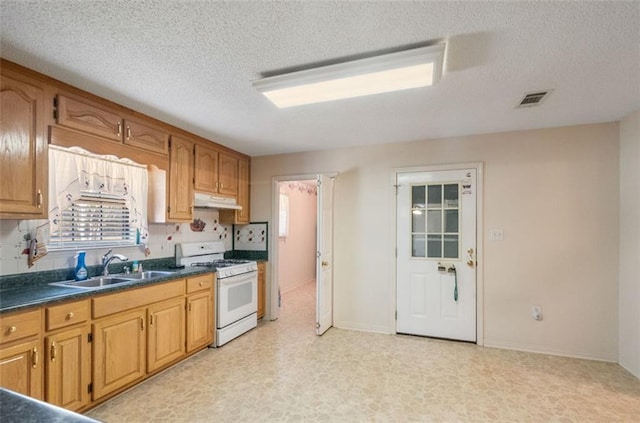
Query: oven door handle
[{"x": 238, "y": 279}]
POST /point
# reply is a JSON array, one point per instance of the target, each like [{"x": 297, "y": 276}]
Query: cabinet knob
[
  {"x": 201, "y": 283},
  {"x": 70, "y": 315},
  {"x": 12, "y": 329}
]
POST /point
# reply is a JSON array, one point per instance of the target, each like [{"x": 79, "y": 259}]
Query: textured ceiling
[{"x": 191, "y": 64}]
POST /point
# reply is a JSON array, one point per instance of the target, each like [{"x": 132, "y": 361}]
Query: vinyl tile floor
[{"x": 283, "y": 372}]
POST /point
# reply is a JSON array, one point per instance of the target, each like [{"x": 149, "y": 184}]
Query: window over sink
[{"x": 95, "y": 201}]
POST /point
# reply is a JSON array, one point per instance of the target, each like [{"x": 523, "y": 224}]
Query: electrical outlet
[{"x": 536, "y": 312}]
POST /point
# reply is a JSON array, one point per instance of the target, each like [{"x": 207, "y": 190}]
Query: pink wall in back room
[{"x": 297, "y": 249}]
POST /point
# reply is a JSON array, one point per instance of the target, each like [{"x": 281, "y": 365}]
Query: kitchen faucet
[{"x": 107, "y": 259}]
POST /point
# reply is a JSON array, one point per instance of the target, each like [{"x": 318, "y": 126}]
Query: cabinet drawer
[
  {"x": 129, "y": 300},
  {"x": 67, "y": 314},
  {"x": 199, "y": 283},
  {"x": 20, "y": 326}
]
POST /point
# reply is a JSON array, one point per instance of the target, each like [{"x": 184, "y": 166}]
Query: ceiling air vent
[{"x": 533, "y": 99}]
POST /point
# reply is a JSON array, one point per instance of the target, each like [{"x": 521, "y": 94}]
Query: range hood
[{"x": 208, "y": 201}]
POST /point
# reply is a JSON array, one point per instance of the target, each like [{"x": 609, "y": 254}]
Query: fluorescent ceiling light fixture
[{"x": 415, "y": 68}]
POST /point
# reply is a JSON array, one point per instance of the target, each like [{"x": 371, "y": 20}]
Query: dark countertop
[
  {"x": 17, "y": 408},
  {"x": 22, "y": 297}
]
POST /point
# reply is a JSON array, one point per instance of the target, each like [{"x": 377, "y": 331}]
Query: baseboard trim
[
  {"x": 298, "y": 285},
  {"x": 539, "y": 350},
  {"x": 362, "y": 328}
]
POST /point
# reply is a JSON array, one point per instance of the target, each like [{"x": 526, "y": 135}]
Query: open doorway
[
  {"x": 297, "y": 247},
  {"x": 303, "y": 235}
]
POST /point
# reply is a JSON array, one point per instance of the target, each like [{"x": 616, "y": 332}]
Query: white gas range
[{"x": 236, "y": 289}]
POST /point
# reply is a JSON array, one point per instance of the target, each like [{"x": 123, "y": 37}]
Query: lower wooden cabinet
[
  {"x": 21, "y": 368},
  {"x": 119, "y": 351},
  {"x": 199, "y": 320},
  {"x": 87, "y": 350},
  {"x": 262, "y": 276},
  {"x": 68, "y": 368},
  {"x": 166, "y": 334}
]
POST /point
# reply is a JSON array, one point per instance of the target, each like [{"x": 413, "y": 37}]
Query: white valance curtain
[{"x": 74, "y": 172}]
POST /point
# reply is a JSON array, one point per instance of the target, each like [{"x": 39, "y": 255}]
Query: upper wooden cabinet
[
  {"x": 23, "y": 149},
  {"x": 146, "y": 136},
  {"x": 228, "y": 175},
  {"x": 216, "y": 172},
  {"x": 97, "y": 119},
  {"x": 87, "y": 116},
  {"x": 180, "y": 195},
  {"x": 239, "y": 216},
  {"x": 206, "y": 169}
]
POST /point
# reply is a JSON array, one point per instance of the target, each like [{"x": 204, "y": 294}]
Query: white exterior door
[
  {"x": 324, "y": 261},
  {"x": 436, "y": 254}
]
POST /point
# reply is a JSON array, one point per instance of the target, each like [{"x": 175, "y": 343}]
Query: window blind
[{"x": 92, "y": 221}]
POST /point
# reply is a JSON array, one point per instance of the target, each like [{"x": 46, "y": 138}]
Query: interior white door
[
  {"x": 436, "y": 254},
  {"x": 324, "y": 261}
]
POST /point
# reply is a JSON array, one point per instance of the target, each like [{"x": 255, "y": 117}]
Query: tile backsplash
[{"x": 162, "y": 240}]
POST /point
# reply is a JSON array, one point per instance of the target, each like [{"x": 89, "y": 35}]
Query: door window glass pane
[
  {"x": 435, "y": 196},
  {"x": 434, "y": 221},
  {"x": 417, "y": 196},
  {"x": 417, "y": 221},
  {"x": 450, "y": 246},
  {"x": 434, "y": 246},
  {"x": 417, "y": 246},
  {"x": 451, "y": 195},
  {"x": 451, "y": 221}
]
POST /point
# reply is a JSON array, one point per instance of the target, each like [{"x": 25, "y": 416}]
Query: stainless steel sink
[
  {"x": 98, "y": 282},
  {"x": 104, "y": 281},
  {"x": 146, "y": 275}
]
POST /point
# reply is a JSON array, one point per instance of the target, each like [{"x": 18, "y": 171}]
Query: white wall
[
  {"x": 629, "y": 294},
  {"x": 162, "y": 240},
  {"x": 297, "y": 251},
  {"x": 553, "y": 192}
]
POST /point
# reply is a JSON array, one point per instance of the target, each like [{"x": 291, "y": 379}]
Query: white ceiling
[{"x": 191, "y": 64}]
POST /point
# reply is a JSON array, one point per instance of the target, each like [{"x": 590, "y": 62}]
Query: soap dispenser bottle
[{"x": 81, "y": 268}]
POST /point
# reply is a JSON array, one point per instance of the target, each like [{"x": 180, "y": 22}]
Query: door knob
[
  {"x": 470, "y": 263},
  {"x": 325, "y": 264}
]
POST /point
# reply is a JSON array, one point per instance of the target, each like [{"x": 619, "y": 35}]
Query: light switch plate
[{"x": 496, "y": 235}]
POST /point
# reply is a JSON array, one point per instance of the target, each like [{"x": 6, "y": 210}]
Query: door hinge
[
  {"x": 396, "y": 252},
  {"x": 396, "y": 187},
  {"x": 90, "y": 337},
  {"x": 168, "y": 209},
  {"x": 90, "y": 388},
  {"x": 55, "y": 108},
  {"x": 169, "y": 142},
  {"x": 319, "y": 182},
  {"x": 317, "y": 325},
  {"x": 396, "y": 314}
]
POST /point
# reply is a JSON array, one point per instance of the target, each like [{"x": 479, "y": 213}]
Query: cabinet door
[
  {"x": 90, "y": 117},
  {"x": 21, "y": 370},
  {"x": 206, "y": 169},
  {"x": 68, "y": 367},
  {"x": 118, "y": 352},
  {"x": 199, "y": 320},
  {"x": 181, "y": 180},
  {"x": 146, "y": 136},
  {"x": 23, "y": 150},
  {"x": 166, "y": 333},
  {"x": 261, "y": 288},
  {"x": 242, "y": 216},
  {"x": 228, "y": 175}
]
